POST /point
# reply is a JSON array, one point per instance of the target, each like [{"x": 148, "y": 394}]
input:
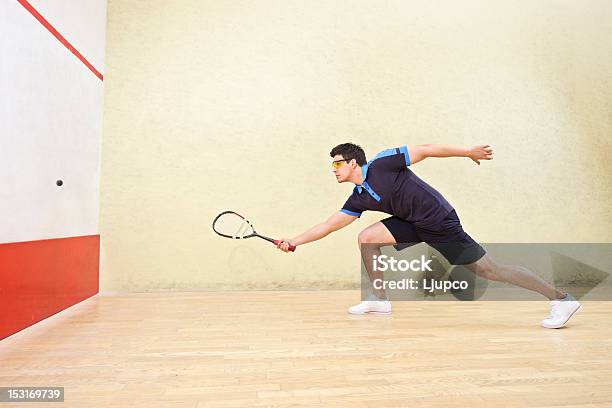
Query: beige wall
[{"x": 214, "y": 105}]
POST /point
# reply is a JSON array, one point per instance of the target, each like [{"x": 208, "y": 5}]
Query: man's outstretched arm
[
  {"x": 476, "y": 153},
  {"x": 333, "y": 223}
]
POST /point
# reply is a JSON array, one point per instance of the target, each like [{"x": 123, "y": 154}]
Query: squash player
[{"x": 418, "y": 213}]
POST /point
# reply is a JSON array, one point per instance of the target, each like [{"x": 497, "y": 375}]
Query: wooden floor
[{"x": 281, "y": 349}]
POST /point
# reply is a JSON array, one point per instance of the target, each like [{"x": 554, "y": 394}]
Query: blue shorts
[{"x": 447, "y": 237}]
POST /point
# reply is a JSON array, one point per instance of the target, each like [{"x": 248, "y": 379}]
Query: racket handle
[{"x": 291, "y": 247}]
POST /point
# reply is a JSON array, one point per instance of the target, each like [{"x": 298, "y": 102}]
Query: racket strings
[
  {"x": 233, "y": 226},
  {"x": 244, "y": 229}
]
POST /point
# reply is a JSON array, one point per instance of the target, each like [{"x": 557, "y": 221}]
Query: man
[{"x": 419, "y": 213}]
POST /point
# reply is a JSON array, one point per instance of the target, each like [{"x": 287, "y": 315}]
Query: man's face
[{"x": 341, "y": 168}]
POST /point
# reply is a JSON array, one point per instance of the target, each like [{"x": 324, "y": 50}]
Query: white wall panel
[{"x": 50, "y": 129}]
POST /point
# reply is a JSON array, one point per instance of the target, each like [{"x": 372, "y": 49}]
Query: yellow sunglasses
[{"x": 336, "y": 164}]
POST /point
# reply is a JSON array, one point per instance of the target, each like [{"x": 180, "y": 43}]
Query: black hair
[{"x": 350, "y": 151}]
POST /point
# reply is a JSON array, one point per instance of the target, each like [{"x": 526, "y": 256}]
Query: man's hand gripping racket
[{"x": 230, "y": 224}]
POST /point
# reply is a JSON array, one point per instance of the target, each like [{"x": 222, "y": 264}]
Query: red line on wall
[{"x": 60, "y": 37}]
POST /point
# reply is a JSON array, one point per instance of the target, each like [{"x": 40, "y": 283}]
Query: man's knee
[
  {"x": 376, "y": 235},
  {"x": 367, "y": 236}
]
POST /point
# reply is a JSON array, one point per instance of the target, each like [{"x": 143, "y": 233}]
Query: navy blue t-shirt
[{"x": 390, "y": 187}]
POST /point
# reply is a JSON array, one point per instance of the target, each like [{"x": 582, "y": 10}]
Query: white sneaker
[
  {"x": 371, "y": 305},
  {"x": 560, "y": 312}
]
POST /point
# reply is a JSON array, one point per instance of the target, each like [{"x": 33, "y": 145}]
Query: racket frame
[{"x": 246, "y": 223}]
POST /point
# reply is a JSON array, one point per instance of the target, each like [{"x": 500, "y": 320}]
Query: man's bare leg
[
  {"x": 516, "y": 275},
  {"x": 370, "y": 241},
  {"x": 562, "y": 305}
]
